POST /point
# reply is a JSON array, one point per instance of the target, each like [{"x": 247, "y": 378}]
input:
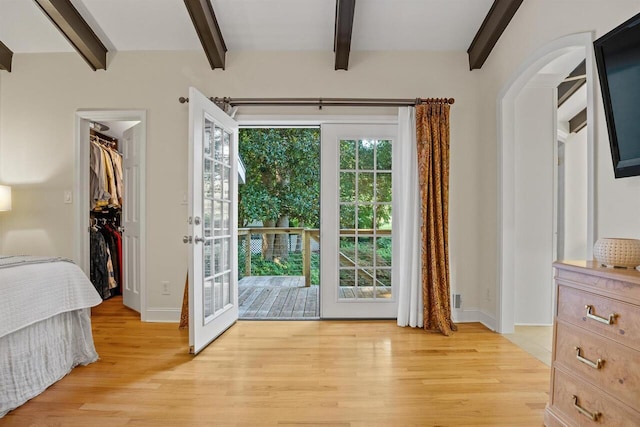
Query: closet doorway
[{"x": 124, "y": 216}]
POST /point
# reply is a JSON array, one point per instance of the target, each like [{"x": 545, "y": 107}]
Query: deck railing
[{"x": 307, "y": 235}]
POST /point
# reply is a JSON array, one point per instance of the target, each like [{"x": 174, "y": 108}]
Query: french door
[
  {"x": 356, "y": 221},
  {"x": 213, "y": 172}
]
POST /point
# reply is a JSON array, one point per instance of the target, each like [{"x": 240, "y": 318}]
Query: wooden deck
[
  {"x": 286, "y": 297},
  {"x": 277, "y": 297}
]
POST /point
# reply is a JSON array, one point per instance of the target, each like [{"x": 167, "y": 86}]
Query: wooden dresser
[{"x": 595, "y": 373}]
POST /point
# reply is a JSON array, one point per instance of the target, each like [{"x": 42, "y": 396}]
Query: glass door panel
[
  {"x": 213, "y": 293},
  {"x": 357, "y": 220}
]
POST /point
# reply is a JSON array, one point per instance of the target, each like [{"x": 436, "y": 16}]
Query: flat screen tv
[{"x": 617, "y": 56}]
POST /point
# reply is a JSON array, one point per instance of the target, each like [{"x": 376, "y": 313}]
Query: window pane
[
  {"x": 347, "y": 217},
  {"x": 365, "y": 251},
  {"x": 365, "y": 187},
  {"x": 208, "y": 215},
  {"x": 347, "y": 187},
  {"x": 226, "y": 172},
  {"x": 347, "y": 251},
  {"x": 207, "y": 259},
  {"x": 383, "y": 217},
  {"x": 347, "y": 154},
  {"x": 383, "y": 187},
  {"x": 207, "y": 179},
  {"x": 366, "y": 149},
  {"x": 383, "y": 251},
  {"x": 217, "y": 284},
  {"x": 365, "y": 217},
  {"x": 217, "y": 180},
  {"x": 217, "y": 144},
  {"x": 383, "y": 155},
  {"x": 208, "y": 299}
]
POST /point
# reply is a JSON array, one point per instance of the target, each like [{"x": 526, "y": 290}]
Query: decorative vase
[{"x": 615, "y": 252}]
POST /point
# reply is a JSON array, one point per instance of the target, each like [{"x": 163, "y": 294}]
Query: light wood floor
[{"x": 330, "y": 373}]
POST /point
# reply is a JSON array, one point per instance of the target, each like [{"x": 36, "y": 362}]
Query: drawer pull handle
[
  {"x": 610, "y": 321},
  {"x": 593, "y": 416},
  {"x": 595, "y": 365}
]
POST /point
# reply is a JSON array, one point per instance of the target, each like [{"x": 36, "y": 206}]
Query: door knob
[
  {"x": 198, "y": 239},
  {"x": 186, "y": 239}
]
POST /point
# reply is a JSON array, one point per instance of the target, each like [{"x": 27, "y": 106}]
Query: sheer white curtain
[{"x": 406, "y": 222}]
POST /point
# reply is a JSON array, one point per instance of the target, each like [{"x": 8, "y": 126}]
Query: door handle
[
  {"x": 186, "y": 239},
  {"x": 198, "y": 239}
]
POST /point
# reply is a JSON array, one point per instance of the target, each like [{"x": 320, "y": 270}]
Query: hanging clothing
[
  {"x": 106, "y": 177},
  {"x": 99, "y": 274},
  {"x": 97, "y": 177}
]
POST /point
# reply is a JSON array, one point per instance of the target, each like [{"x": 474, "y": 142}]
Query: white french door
[
  {"x": 213, "y": 172},
  {"x": 356, "y": 221}
]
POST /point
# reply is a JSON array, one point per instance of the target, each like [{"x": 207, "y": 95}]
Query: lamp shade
[{"x": 5, "y": 198}]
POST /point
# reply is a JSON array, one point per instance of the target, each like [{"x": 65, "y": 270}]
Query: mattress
[{"x": 34, "y": 289}]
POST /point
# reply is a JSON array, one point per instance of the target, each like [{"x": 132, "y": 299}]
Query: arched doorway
[{"x": 524, "y": 99}]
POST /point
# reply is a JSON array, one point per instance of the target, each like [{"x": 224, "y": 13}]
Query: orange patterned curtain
[{"x": 432, "y": 127}]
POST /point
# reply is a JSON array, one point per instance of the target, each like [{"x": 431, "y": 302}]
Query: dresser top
[{"x": 593, "y": 268}]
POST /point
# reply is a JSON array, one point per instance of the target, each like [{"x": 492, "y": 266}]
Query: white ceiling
[{"x": 133, "y": 25}]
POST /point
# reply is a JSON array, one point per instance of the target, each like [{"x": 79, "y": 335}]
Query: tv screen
[{"x": 617, "y": 56}]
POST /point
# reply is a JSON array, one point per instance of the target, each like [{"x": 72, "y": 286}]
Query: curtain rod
[{"x": 323, "y": 102}]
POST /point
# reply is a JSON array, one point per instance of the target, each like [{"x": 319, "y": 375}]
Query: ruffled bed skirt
[{"x": 35, "y": 357}]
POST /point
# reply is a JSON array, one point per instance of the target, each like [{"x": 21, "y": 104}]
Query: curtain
[
  {"x": 406, "y": 245},
  {"x": 432, "y": 134}
]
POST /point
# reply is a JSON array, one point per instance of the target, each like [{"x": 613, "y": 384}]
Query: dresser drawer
[
  {"x": 619, "y": 371},
  {"x": 610, "y": 411},
  {"x": 624, "y": 328}
]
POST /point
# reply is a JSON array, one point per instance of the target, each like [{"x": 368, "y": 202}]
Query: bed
[{"x": 45, "y": 325}]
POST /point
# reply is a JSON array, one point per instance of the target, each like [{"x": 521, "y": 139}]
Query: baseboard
[
  {"x": 470, "y": 315},
  {"x": 533, "y": 324},
  {"x": 162, "y": 315}
]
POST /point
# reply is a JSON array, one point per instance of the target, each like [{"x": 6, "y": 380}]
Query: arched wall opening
[{"x": 528, "y": 180}]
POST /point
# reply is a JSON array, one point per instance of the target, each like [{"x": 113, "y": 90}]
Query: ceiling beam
[
  {"x": 206, "y": 24},
  {"x": 573, "y": 82},
  {"x": 490, "y": 31},
  {"x": 71, "y": 24},
  {"x": 6, "y": 55},
  {"x": 578, "y": 121},
  {"x": 345, "y": 10}
]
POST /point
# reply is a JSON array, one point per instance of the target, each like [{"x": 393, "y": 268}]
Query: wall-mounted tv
[{"x": 618, "y": 59}]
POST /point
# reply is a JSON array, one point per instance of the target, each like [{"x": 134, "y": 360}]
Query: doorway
[
  {"x": 279, "y": 222},
  {"x": 548, "y": 67},
  {"x": 130, "y": 129}
]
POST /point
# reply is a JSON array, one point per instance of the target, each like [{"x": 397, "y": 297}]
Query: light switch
[{"x": 67, "y": 196}]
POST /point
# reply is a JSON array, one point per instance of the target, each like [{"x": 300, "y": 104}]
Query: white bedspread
[{"x": 34, "y": 292}]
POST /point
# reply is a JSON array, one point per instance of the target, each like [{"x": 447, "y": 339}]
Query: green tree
[{"x": 282, "y": 181}]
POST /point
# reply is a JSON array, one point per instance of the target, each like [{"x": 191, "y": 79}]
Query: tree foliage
[{"x": 282, "y": 175}]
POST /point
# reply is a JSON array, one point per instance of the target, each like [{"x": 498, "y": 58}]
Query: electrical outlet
[{"x": 165, "y": 288}]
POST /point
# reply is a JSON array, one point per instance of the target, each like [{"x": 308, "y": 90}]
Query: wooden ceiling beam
[
  {"x": 345, "y": 10},
  {"x": 206, "y": 25},
  {"x": 573, "y": 83},
  {"x": 492, "y": 27},
  {"x": 578, "y": 121},
  {"x": 6, "y": 55},
  {"x": 73, "y": 26}
]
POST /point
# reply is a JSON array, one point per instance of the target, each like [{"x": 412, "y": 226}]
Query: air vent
[{"x": 457, "y": 301}]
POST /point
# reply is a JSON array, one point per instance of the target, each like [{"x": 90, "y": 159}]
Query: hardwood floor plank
[{"x": 337, "y": 373}]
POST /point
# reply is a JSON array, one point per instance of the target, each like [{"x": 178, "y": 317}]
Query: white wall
[
  {"x": 534, "y": 169},
  {"x": 575, "y": 213},
  {"x": 41, "y": 95},
  {"x": 535, "y": 25}
]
